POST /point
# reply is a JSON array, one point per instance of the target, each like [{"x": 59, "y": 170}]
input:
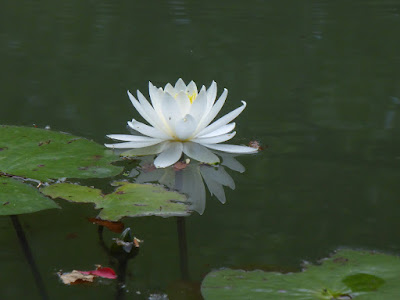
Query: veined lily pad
[
  {"x": 348, "y": 274},
  {"x": 42, "y": 154},
  {"x": 129, "y": 199},
  {"x": 19, "y": 198}
]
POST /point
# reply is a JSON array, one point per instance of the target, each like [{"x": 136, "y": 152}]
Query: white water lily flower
[{"x": 179, "y": 119}]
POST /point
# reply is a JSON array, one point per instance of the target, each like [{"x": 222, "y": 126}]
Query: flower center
[{"x": 192, "y": 97}]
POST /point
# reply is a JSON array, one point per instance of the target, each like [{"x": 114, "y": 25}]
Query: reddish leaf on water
[
  {"x": 79, "y": 277},
  {"x": 101, "y": 272},
  {"x": 256, "y": 145},
  {"x": 117, "y": 227},
  {"x": 75, "y": 277}
]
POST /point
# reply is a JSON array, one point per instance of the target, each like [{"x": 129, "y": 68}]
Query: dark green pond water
[{"x": 322, "y": 84}]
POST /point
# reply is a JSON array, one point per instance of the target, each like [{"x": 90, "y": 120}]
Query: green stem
[{"x": 23, "y": 242}]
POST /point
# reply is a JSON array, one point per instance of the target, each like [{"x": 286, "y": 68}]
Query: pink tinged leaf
[{"x": 103, "y": 272}]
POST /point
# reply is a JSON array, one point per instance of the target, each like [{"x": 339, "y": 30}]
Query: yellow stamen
[{"x": 192, "y": 97}]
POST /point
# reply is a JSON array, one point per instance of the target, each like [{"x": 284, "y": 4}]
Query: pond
[{"x": 321, "y": 80}]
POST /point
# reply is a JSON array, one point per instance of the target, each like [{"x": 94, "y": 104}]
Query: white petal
[
  {"x": 140, "y": 110},
  {"x": 185, "y": 127},
  {"x": 184, "y": 103},
  {"x": 180, "y": 85},
  {"x": 170, "y": 89},
  {"x": 171, "y": 112},
  {"x": 211, "y": 94},
  {"x": 156, "y": 96},
  {"x": 171, "y": 154},
  {"x": 129, "y": 145},
  {"x": 149, "y": 110},
  {"x": 224, "y": 120},
  {"x": 131, "y": 138},
  {"x": 150, "y": 150},
  {"x": 191, "y": 88},
  {"x": 208, "y": 117},
  {"x": 222, "y": 130},
  {"x": 199, "y": 153},
  {"x": 147, "y": 130},
  {"x": 215, "y": 139},
  {"x": 231, "y": 148},
  {"x": 199, "y": 106}
]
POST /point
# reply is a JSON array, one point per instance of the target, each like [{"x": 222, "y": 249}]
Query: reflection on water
[
  {"x": 189, "y": 176},
  {"x": 322, "y": 82}
]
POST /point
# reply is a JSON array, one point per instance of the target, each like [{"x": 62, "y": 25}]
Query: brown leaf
[
  {"x": 180, "y": 165},
  {"x": 256, "y": 144},
  {"x": 136, "y": 242},
  {"x": 75, "y": 277},
  {"x": 117, "y": 227}
]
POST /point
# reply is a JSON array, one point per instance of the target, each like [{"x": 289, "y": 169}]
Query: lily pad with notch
[
  {"x": 43, "y": 155},
  {"x": 128, "y": 200},
  {"x": 19, "y": 198},
  {"x": 348, "y": 274}
]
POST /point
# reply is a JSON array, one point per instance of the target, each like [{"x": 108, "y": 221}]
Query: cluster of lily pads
[{"x": 34, "y": 164}]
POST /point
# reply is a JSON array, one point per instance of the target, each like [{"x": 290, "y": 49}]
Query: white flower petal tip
[{"x": 178, "y": 117}]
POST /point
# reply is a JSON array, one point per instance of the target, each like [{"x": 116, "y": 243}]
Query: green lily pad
[
  {"x": 19, "y": 198},
  {"x": 43, "y": 154},
  {"x": 128, "y": 200},
  {"x": 348, "y": 274}
]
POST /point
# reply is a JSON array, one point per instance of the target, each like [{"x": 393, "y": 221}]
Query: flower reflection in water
[{"x": 189, "y": 176}]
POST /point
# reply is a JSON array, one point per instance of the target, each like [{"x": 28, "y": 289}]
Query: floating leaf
[
  {"x": 42, "y": 154},
  {"x": 129, "y": 199},
  {"x": 78, "y": 277},
  {"x": 117, "y": 227},
  {"x": 75, "y": 277},
  {"x": 348, "y": 274},
  {"x": 103, "y": 272},
  {"x": 19, "y": 198}
]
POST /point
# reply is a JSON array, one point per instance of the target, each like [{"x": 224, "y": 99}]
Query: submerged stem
[
  {"x": 23, "y": 242},
  {"x": 183, "y": 253}
]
